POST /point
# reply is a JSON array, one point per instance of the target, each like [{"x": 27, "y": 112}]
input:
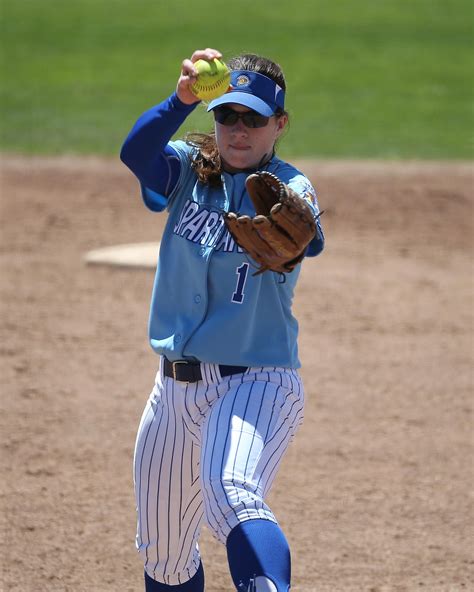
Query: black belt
[{"x": 191, "y": 371}]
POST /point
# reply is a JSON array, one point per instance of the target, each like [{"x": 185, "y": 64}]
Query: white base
[{"x": 142, "y": 255}]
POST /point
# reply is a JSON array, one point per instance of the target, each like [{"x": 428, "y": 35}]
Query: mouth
[{"x": 239, "y": 147}]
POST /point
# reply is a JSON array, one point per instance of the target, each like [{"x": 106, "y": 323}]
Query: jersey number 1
[{"x": 242, "y": 272}]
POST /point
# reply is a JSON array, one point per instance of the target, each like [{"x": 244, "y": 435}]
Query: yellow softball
[{"x": 213, "y": 79}]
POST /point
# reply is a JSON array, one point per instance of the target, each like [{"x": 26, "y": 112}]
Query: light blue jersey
[{"x": 207, "y": 305}]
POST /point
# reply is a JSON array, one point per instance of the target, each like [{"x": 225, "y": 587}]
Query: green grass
[{"x": 384, "y": 79}]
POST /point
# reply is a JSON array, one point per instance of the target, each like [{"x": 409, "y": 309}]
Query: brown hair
[{"x": 207, "y": 162}]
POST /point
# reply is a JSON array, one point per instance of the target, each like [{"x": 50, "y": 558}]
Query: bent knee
[{"x": 228, "y": 502}]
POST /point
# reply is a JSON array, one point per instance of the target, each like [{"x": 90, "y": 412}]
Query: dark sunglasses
[{"x": 227, "y": 116}]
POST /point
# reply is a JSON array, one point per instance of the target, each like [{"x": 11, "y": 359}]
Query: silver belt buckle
[{"x": 174, "y": 364}]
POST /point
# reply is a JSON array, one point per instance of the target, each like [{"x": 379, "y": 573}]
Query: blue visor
[{"x": 253, "y": 90}]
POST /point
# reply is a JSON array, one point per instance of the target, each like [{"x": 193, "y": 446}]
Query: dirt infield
[{"x": 375, "y": 494}]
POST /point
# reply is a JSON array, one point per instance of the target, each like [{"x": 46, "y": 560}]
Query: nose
[{"x": 239, "y": 127}]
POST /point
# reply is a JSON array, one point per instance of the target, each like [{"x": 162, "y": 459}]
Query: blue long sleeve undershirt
[
  {"x": 146, "y": 152},
  {"x": 156, "y": 165}
]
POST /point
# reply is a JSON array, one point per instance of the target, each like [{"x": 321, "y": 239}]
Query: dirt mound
[{"x": 374, "y": 493}]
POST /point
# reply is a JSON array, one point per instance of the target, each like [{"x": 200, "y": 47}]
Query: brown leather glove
[{"x": 277, "y": 236}]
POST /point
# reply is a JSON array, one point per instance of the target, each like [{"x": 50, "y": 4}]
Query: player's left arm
[{"x": 306, "y": 191}]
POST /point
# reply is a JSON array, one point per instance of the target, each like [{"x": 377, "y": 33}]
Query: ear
[{"x": 281, "y": 124}]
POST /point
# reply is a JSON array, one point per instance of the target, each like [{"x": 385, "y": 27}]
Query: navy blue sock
[
  {"x": 195, "y": 584},
  {"x": 259, "y": 548}
]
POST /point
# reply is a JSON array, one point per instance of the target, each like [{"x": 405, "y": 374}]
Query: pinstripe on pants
[{"x": 207, "y": 452}]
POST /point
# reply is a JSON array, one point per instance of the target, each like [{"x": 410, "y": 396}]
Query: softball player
[{"x": 228, "y": 397}]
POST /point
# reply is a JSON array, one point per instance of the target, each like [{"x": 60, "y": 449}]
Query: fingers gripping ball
[
  {"x": 284, "y": 224},
  {"x": 213, "y": 79}
]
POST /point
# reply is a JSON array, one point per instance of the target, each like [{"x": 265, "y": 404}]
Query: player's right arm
[{"x": 146, "y": 151}]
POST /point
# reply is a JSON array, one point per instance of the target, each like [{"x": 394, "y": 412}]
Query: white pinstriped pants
[{"x": 208, "y": 452}]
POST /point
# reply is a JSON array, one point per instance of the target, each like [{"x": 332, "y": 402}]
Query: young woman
[{"x": 228, "y": 397}]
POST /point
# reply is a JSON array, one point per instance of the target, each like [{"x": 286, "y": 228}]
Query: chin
[{"x": 240, "y": 163}]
